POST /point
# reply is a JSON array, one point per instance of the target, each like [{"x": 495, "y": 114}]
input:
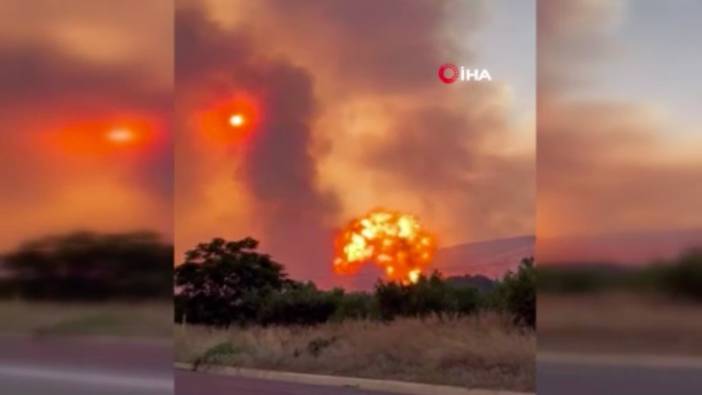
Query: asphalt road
[
  {"x": 635, "y": 378},
  {"x": 31, "y": 366},
  {"x": 74, "y": 366},
  {"x": 190, "y": 383},
  {"x": 553, "y": 378}
]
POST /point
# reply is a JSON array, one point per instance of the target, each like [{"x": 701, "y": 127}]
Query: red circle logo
[{"x": 448, "y": 73}]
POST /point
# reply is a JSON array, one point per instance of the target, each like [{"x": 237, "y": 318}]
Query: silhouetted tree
[
  {"x": 228, "y": 282},
  {"x": 224, "y": 282}
]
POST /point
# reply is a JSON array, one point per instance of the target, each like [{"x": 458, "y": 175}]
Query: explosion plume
[{"x": 394, "y": 241}]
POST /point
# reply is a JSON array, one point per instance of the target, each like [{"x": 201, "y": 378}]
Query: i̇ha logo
[{"x": 449, "y": 73}]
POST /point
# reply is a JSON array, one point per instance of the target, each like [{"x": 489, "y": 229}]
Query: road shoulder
[{"x": 388, "y": 386}]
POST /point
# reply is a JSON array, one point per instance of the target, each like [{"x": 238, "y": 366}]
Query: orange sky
[
  {"x": 349, "y": 117},
  {"x": 75, "y": 77},
  {"x": 352, "y": 117}
]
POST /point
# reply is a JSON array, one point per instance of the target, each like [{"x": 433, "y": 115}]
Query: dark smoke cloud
[
  {"x": 369, "y": 46},
  {"x": 439, "y": 154},
  {"x": 276, "y": 166},
  {"x": 389, "y": 51},
  {"x": 574, "y": 37},
  {"x": 201, "y": 48}
]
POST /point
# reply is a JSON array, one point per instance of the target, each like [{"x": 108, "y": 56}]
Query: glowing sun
[
  {"x": 121, "y": 135},
  {"x": 237, "y": 120}
]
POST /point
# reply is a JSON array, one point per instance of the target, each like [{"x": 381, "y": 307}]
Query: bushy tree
[{"x": 224, "y": 282}]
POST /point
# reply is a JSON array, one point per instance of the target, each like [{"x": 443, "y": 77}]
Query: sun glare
[
  {"x": 120, "y": 135},
  {"x": 229, "y": 121},
  {"x": 237, "y": 120}
]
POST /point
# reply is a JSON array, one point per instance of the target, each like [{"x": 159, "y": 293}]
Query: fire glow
[{"x": 394, "y": 241}]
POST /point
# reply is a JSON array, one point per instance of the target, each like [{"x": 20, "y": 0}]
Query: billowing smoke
[{"x": 274, "y": 166}]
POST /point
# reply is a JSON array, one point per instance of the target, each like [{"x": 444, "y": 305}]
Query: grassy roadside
[
  {"x": 148, "y": 320},
  {"x": 619, "y": 322},
  {"x": 474, "y": 352}
]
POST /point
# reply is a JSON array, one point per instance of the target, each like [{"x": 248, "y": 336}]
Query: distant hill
[
  {"x": 621, "y": 248},
  {"x": 491, "y": 259},
  {"x": 477, "y": 263}
]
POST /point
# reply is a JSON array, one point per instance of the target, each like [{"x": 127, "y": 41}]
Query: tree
[
  {"x": 517, "y": 293},
  {"x": 92, "y": 266},
  {"x": 224, "y": 282}
]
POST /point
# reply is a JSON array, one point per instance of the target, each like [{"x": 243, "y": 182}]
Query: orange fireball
[{"x": 392, "y": 240}]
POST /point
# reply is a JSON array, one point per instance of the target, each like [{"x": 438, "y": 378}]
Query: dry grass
[
  {"x": 152, "y": 320},
  {"x": 480, "y": 352},
  {"x": 619, "y": 322}
]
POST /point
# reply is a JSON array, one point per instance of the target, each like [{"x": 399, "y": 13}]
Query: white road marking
[{"x": 86, "y": 377}]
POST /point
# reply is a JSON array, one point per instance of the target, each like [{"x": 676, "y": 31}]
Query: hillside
[
  {"x": 620, "y": 248},
  {"x": 487, "y": 259},
  {"x": 491, "y": 258}
]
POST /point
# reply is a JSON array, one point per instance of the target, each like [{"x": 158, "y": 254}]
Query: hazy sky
[
  {"x": 352, "y": 117},
  {"x": 618, "y": 140},
  {"x": 70, "y": 74},
  {"x": 654, "y": 59}
]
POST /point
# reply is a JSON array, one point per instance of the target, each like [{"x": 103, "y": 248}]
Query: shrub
[
  {"x": 683, "y": 278},
  {"x": 220, "y": 354},
  {"x": 354, "y": 306},
  {"x": 297, "y": 304},
  {"x": 517, "y": 294},
  {"x": 464, "y": 300},
  {"x": 428, "y": 296},
  {"x": 679, "y": 277},
  {"x": 391, "y": 298}
]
